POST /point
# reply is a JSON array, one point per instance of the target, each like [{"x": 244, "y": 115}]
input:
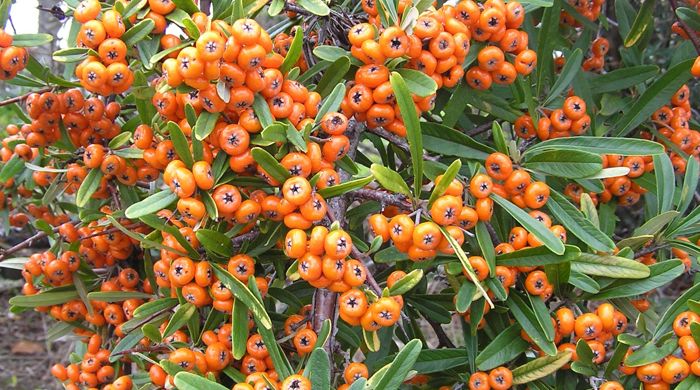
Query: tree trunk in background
[{"x": 49, "y": 24}]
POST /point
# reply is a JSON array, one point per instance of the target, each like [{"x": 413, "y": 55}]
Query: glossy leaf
[
  {"x": 543, "y": 234},
  {"x": 150, "y": 205},
  {"x": 414, "y": 135},
  {"x": 620, "y": 267},
  {"x": 540, "y": 367},
  {"x": 575, "y": 222}
]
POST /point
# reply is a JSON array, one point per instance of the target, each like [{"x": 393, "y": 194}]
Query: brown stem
[
  {"x": 370, "y": 277},
  {"x": 391, "y": 137},
  {"x": 18, "y": 99},
  {"x": 382, "y": 197},
  {"x": 325, "y": 301},
  {"x": 688, "y": 30},
  {"x": 650, "y": 249},
  {"x": 480, "y": 129},
  {"x": 250, "y": 236},
  {"x": 22, "y": 245},
  {"x": 204, "y": 6}
]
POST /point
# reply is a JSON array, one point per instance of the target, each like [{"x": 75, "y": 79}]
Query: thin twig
[
  {"x": 443, "y": 339},
  {"x": 18, "y": 99},
  {"x": 480, "y": 129},
  {"x": 385, "y": 198},
  {"x": 391, "y": 137},
  {"x": 650, "y": 249},
  {"x": 689, "y": 31}
]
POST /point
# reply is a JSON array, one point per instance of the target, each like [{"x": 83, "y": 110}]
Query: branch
[
  {"x": 18, "y": 99},
  {"x": 689, "y": 31},
  {"x": 370, "y": 278},
  {"x": 240, "y": 240},
  {"x": 480, "y": 129},
  {"x": 650, "y": 249},
  {"x": 292, "y": 7},
  {"x": 443, "y": 339},
  {"x": 22, "y": 245},
  {"x": 385, "y": 198},
  {"x": 205, "y": 6},
  {"x": 391, "y": 137}
]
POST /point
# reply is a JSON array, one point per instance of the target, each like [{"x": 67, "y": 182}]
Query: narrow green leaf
[
  {"x": 642, "y": 22},
  {"x": 620, "y": 267},
  {"x": 540, "y": 231},
  {"x": 414, "y": 135},
  {"x": 576, "y": 223},
  {"x": 571, "y": 68},
  {"x": 88, "y": 187},
  {"x": 150, "y": 205},
  {"x": 390, "y": 179},
  {"x": 658, "y": 94},
  {"x": 540, "y": 367},
  {"x": 445, "y": 181},
  {"x": 270, "y": 164}
]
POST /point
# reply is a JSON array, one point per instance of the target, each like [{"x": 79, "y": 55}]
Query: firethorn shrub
[{"x": 378, "y": 195}]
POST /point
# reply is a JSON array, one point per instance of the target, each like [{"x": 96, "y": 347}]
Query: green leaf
[
  {"x": 690, "y": 183},
  {"x": 540, "y": 367},
  {"x": 262, "y": 111},
  {"x": 330, "y": 53},
  {"x": 117, "y": 296},
  {"x": 601, "y": 145},
  {"x": 549, "y": 27},
  {"x": 689, "y": 16},
  {"x": 660, "y": 274},
  {"x": 332, "y": 102},
  {"x": 642, "y": 22},
  {"x": 680, "y": 305},
  {"x": 413, "y": 129},
  {"x": 88, "y": 187},
  {"x": 465, "y": 296},
  {"x": 188, "y": 381},
  {"x": 239, "y": 332},
  {"x": 464, "y": 260},
  {"x": 205, "y": 124},
  {"x": 318, "y": 370},
  {"x": 138, "y": 32},
  {"x": 316, "y": 7},
  {"x": 150, "y": 205},
  {"x": 530, "y": 224},
  {"x": 570, "y": 164},
  {"x": 179, "y": 318},
  {"x": 445, "y": 181},
  {"x": 398, "y": 369},
  {"x": 607, "y": 265},
  {"x": 658, "y": 94},
  {"x": 650, "y": 353},
  {"x": 418, "y": 82},
  {"x": 436, "y": 360},
  {"x": 622, "y": 78},
  {"x": 13, "y": 167},
  {"x": 215, "y": 242},
  {"x": 499, "y": 137},
  {"x": 187, "y": 5},
  {"x": 241, "y": 291},
  {"x": 344, "y": 188},
  {"x": 665, "y": 182},
  {"x": 574, "y": 221},
  {"x": 180, "y": 144},
  {"x": 127, "y": 342},
  {"x": 483, "y": 238},
  {"x": 504, "y": 348},
  {"x": 31, "y": 40},
  {"x": 537, "y": 256},
  {"x": 295, "y": 138},
  {"x": 270, "y": 165},
  {"x": 333, "y": 76},
  {"x": 584, "y": 282},
  {"x": 390, "y": 179},
  {"x": 654, "y": 225},
  {"x": 406, "y": 283},
  {"x": 294, "y": 52},
  {"x": 46, "y": 298},
  {"x": 450, "y": 142},
  {"x": 525, "y": 316},
  {"x": 571, "y": 68},
  {"x": 689, "y": 383},
  {"x": 153, "y": 307}
]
